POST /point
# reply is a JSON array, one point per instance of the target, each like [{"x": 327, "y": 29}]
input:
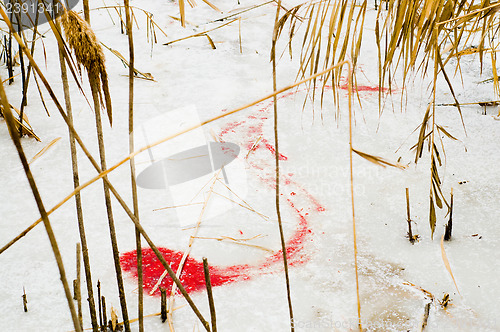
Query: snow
[{"x": 190, "y": 74}]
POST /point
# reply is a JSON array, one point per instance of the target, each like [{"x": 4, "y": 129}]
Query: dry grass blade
[
  {"x": 182, "y": 13},
  {"x": 151, "y": 24},
  {"x": 351, "y": 178},
  {"x": 237, "y": 242},
  {"x": 211, "y": 42},
  {"x": 451, "y": 88},
  {"x": 447, "y": 263},
  {"x": 27, "y": 130},
  {"x": 200, "y": 33},
  {"x": 212, "y": 6},
  {"x": 377, "y": 160},
  {"x": 422, "y": 135},
  {"x": 137, "y": 73},
  {"x": 88, "y": 52},
  {"x": 45, "y": 149},
  {"x": 432, "y": 215},
  {"x": 444, "y": 131}
]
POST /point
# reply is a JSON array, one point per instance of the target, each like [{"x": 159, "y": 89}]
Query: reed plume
[{"x": 88, "y": 53}]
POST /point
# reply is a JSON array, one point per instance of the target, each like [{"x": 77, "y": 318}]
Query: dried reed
[
  {"x": 204, "y": 33},
  {"x": 135, "y": 202},
  {"x": 447, "y": 264},
  {"x": 449, "y": 225},
  {"x": 351, "y": 175},
  {"x": 24, "y": 101},
  {"x": 76, "y": 183},
  {"x": 78, "y": 293},
  {"x": 277, "y": 165},
  {"x": 211, "y": 304},
  {"x": 89, "y": 54}
]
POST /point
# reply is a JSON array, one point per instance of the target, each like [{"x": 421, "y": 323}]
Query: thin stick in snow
[
  {"x": 78, "y": 293},
  {"x": 426, "y": 316},
  {"x": 163, "y": 304},
  {"x": 100, "y": 303},
  {"x": 351, "y": 150},
  {"x": 104, "y": 314},
  {"x": 25, "y": 301},
  {"x": 408, "y": 218},
  {"x": 211, "y": 304}
]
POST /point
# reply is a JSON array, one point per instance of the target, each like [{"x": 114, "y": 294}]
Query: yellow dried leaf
[
  {"x": 447, "y": 263},
  {"x": 432, "y": 216},
  {"x": 42, "y": 151},
  {"x": 377, "y": 160},
  {"x": 114, "y": 318}
]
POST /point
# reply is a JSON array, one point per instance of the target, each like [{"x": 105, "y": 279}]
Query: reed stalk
[
  {"x": 109, "y": 209},
  {"x": 277, "y": 165},
  {"x": 351, "y": 174},
  {"x": 78, "y": 199},
  {"x": 89, "y": 53},
  {"x": 211, "y": 304},
  {"x": 135, "y": 203},
  {"x": 24, "y": 101},
  {"x": 78, "y": 293},
  {"x": 86, "y": 10},
  {"x": 23, "y": 78}
]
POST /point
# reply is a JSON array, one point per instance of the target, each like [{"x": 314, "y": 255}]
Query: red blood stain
[
  {"x": 273, "y": 151},
  {"x": 192, "y": 276},
  {"x": 360, "y": 88},
  {"x": 231, "y": 126},
  {"x": 365, "y": 88}
]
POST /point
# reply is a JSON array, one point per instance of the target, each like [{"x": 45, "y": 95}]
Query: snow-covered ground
[{"x": 190, "y": 75}]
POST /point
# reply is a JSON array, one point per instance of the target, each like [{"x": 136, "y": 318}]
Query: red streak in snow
[
  {"x": 231, "y": 126},
  {"x": 192, "y": 276},
  {"x": 273, "y": 151}
]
